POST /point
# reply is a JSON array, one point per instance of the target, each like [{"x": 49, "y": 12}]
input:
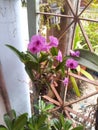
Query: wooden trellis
[{"x": 76, "y": 20}]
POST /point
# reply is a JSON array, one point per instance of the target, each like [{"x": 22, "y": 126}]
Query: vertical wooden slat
[{"x": 3, "y": 91}]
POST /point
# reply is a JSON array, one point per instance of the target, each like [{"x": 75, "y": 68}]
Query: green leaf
[
  {"x": 31, "y": 127},
  {"x": 66, "y": 124},
  {"x": 21, "y": 55},
  {"x": 20, "y": 122},
  {"x": 8, "y": 121},
  {"x": 44, "y": 127},
  {"x": 3, "y": 127},
  {"x": 85, "y": 73},
  {"x": 48, "y": 107},
  {"x": 87, "y": 63},
  {"x": 75, "y": 86},
  {"x": 54, "y": 51},
  {"x": 88, "y": 55},
  {"x": 29, "y": 72},
  {"x": 57, "y": 124},
  {"x": 42, "y": 105},
  {"x": 79, "y": 128},
  {"x": 77, "y": 38},
  {"x": 87, "y": 59},
  {"x": 32, "y": 57},
  {"x": 41, "y": 120},
  {"x": 61, "y": 65},
  {"x": 43, "y": 57}
]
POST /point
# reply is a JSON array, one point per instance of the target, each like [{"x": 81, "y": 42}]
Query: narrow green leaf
[
  {"x": 31, "y": 127},
  {"x": 3, "y": 127},
  {"x": 54, "y": 51},
  {"x": 57, "y": 124},
  {"x": 90, "y": 56},
  {"x": 67, "y": 125},
  {"x": 85, "y": 73},
  {"x": 32, "y": 57},
  {"x": 87, "y": 63},
  {"x": 75, "y": 86},
  {"x": 41, "y": 120},
  {"x": 20, "y": 122},
  {"x": 48, "y": 107},
  {"x": 21, "y": 55},
  {"x": 44, "y": 127},
  {"x": 61, "y": 65},
  {"x": 8, "y": 121},
  {"x": 43, "y": 57},
  {"x": 79, "y": 128}
]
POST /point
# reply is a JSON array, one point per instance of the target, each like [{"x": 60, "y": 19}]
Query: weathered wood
[{"x": 3, "y": 91}]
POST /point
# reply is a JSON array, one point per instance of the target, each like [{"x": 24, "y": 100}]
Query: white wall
[{"x": 15, "y": 76}]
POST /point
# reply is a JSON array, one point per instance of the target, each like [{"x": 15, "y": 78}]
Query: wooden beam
[{"x": 3, "y": 91}]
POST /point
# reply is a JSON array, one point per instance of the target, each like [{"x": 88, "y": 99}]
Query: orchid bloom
[
  {"x": 53, "y": 41},
  {"x": 75, "y": 53},
  {"x": 71, "y": 63},
  {"x": 59, "y": 56},
  {"x": 65, "y": 81},
  {"x": 36, "y": 44}
]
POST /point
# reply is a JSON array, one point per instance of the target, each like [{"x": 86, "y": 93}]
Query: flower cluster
[
  {"x": 37, "y": 45},
  {"x": 46, "y": 66}
]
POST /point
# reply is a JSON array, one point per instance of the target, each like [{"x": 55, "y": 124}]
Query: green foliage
[
  {"x": 88, "y": 59},
  {"x": 91, "y": 29},
  {"x": 75, "y": 86},
  {"x": 38, "y": 121},
  {"x": 41, "y": 67},
  {"x": 77, "y": 39},
  {"x": 64, "y": 124},
  {"x": 43, "y": 107},
  {"x": 14, "y": 122}
]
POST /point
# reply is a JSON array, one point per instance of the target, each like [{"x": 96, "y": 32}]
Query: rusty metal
[
  {"x": 80, "y": 99},
  {"x": 85, "y": 36},
  {"x": 53, "y": 14},
  {"x": 87, "y": 19},
  {"x": 85, "y": 7},
  {"x": 83, "y": 78}
]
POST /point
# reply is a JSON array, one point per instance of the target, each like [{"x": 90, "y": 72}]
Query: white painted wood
[
  {"x": 2, "y": 110},
  {"x": 33, "y": 17},
  {"x": 15, "y": 76}
]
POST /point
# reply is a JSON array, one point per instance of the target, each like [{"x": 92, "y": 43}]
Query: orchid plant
[{"x": 45, "y": 64}]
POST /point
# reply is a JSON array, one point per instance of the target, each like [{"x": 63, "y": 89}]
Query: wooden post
[
  {"x": 3, "y": 92},
  {"x": 33, "y": 26}
]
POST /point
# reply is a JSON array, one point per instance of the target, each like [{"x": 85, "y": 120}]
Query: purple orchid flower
[
  {"x": 75, "y": 53},
  {"x": 71, "y": 63},
  {"x": 59, "y": 56},
  {"x": 36, "y": 44},
  {"x": 65, "y": 81},
  {"x": 53, "y": 41}
]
